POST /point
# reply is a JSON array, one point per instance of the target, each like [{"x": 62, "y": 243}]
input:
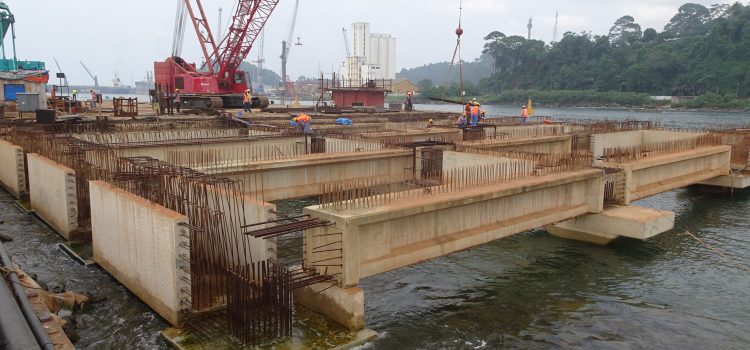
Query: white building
[{"x": 373, "y": 57}]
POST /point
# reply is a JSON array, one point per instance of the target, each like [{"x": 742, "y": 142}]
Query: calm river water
[{"x": 530, "y": 291}]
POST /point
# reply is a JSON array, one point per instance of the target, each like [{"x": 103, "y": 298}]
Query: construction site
[{"x": 181, "y": 205}]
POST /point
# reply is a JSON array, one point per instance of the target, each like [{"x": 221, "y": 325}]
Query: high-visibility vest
[
  {"x": 247, "y": 98},
  {"x": 475, "y": 110},
  {"x": 525, "y": 113}
]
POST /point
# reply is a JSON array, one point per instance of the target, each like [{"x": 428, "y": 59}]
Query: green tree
[
  {"x": 649, "y": 35},
  {"x": 689, "y": 21},
  {"x": 624, "y": 32},
  {"x": 424, "y": 84}
]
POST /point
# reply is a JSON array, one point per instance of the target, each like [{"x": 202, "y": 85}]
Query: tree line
[{"x": 701, "y": 51}]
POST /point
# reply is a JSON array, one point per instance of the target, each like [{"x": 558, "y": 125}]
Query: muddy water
[
  {"x": 535, "y": 291},
  {"x": 528, "y": 291},
  {"x": 116, "y": 320}
]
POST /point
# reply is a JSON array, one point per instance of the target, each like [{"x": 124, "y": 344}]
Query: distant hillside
[
  {"x": 270, "y": 78},
  {"x": 437, "y": 73}
]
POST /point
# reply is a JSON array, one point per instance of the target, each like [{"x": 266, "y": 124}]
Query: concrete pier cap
[{"x": 619, "y": 221}]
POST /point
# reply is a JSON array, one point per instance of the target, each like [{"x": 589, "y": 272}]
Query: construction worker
[
  {"x": 75, "y": 95},
  {"x": 93, "y": 98},
  {"x": 429, "y": 124},
  {"x": 467, "y": 108},
  {"x": 462, "y": 121},
  {"x": 409, "y": 104},
  {"x": 247, "y": 100},
  {"x": 177, "y": 100},
  {"x": 524, "y": 115},
  {"x": 305, "y": 122},
  {"x": 475, "y": 111}
]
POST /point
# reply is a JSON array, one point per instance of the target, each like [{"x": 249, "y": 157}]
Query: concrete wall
[
  {"x": 12, "y": 169},
  {"x": 274, "y": 180},
  {"x": 616, "y": 139},
  {"x": 636, "y": 138},
  {"x": 52, "y": 190},
  {"x": 540, "y": 144},
  {"x": 649, "y": 176},
  {"x": 655, "y": 136},
  {"x": 454, "y": 160},
  {"x": 411, "y": 231},
  {"x": 140, "y": 243}
]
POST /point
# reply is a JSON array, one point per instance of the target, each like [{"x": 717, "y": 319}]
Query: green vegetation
[{"x": 702, "y": 52}]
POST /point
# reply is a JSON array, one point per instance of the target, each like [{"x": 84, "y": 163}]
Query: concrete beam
[
  {"x": 409, "y": 231},
  {"x": 344, "y": 306},
  {"x": 649, "y": 176},
  {"x": 621, "y": 221},
  {"x": 52, "y": 190}
]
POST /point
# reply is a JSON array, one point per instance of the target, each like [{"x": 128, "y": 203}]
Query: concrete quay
[{"x": 382, "y": 206}]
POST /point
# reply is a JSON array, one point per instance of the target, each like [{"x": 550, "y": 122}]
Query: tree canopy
[{"x": 701, "y": 50}]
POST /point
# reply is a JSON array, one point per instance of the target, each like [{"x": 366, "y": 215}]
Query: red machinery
[{"x": 221, "y": 84}]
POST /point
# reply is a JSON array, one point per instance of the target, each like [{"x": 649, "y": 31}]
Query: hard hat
[
  {"x": 478, "y": 105},
  {"x": 248, "y": 90},
  {"x": 176, "y": 89},
  {"x": 430, "y": 120},
  {"x": 295, "y": 119},
  {"x": 525, "y": 107}
]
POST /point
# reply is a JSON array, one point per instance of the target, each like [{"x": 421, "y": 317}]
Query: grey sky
[{"x": 128, "y": 36}]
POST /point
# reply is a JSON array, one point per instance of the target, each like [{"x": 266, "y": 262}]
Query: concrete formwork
[
  {"x": 12, "y": 169},
  {"x": 384, "y": 238},
  {"x": 140, "y": 244},
  {"x": 52, "y": 191}
]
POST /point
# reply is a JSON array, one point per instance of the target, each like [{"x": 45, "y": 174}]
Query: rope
[{"x": 717, "y": 251}]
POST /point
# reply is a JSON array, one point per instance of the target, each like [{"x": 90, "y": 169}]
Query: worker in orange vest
[
  {"x": 246, "y": 100},
  {"x": 524, "y": 115},
  {"x": 305, "y": 122},
  {"x": 475, "y": 111}
]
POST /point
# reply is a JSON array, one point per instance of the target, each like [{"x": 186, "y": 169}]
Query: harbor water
[{"x": 529, "y": 291}]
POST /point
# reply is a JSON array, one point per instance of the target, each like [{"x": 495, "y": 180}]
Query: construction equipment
[
  {"x": 346, "y": 42},
  {"x": 220, "y": 83},
  {"x": 8, "y": 21},
  {"x": 96, "y": 79},
  {"x": 286, "y": 84}
]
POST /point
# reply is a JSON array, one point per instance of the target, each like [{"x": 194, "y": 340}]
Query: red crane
[{"x": 221, "y": 83}]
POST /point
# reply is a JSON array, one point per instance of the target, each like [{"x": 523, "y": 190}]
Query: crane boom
[
  {"x": 203, "y": 31},
  {"x": 346, "y": 42},
  {"x": 248, "y": 21},
  {"x": 96, "y": 79}
]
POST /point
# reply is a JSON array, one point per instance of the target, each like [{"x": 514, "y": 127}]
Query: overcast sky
[{"x": 128, "y": 36}]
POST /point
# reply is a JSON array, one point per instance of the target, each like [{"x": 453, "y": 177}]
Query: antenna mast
[{"x": 554, "y": 35}]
